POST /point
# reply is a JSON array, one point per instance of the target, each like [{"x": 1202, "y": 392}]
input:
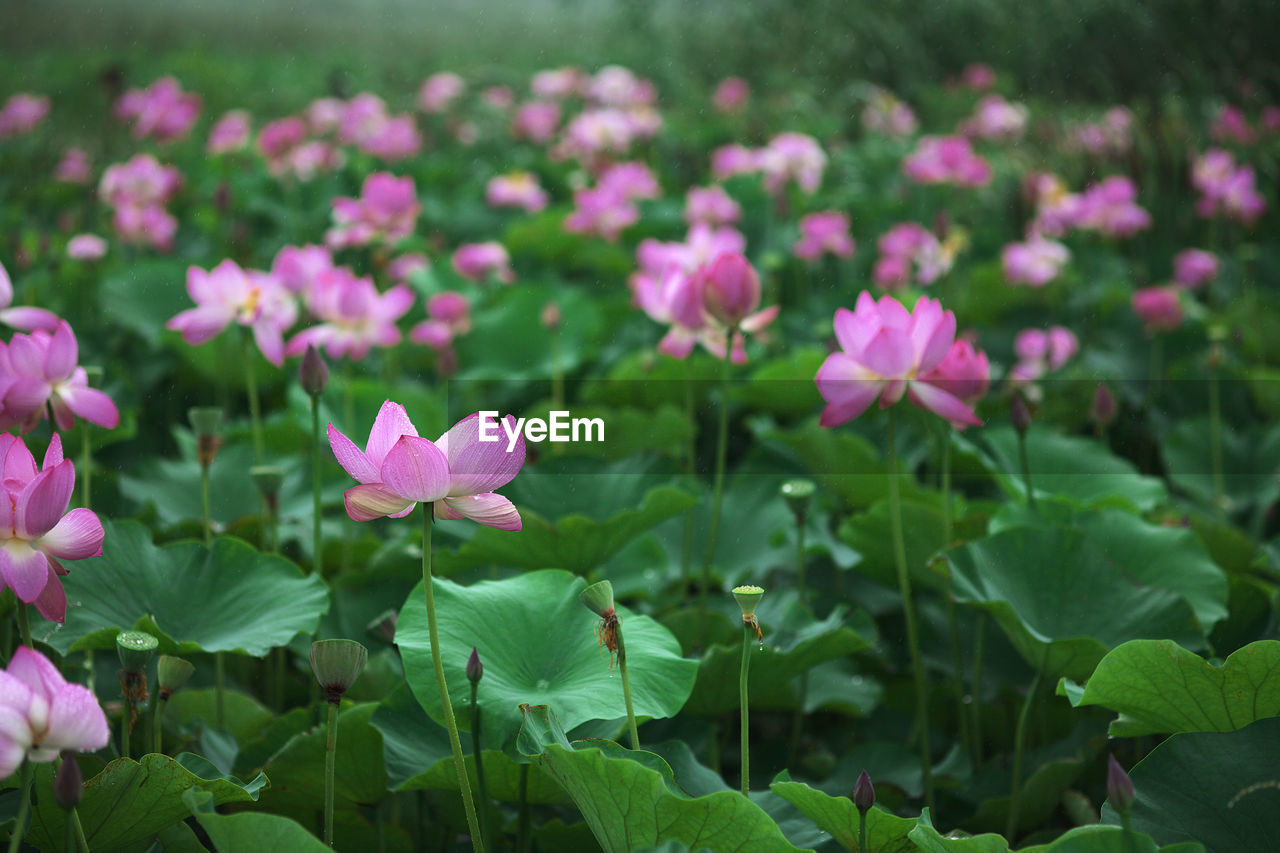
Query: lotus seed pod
[
  {"x": 748, "y": 597},
  {"x": 135, "y": 649},
  {"x": 268, "y": 479},
  {"x": 798, "y": 494},
  {"x": 598, "y": 598},
  {"x": 205, "y": 420},
  {"x": 337, "y": 664},
  {"x": 864, "y": 793},
  {"x": 475, "y": 669},
  {"x": 172, "y": 673}
]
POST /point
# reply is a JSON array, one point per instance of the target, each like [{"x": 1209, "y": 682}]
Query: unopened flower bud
[
  {"x": 337, "y": 664},
  {"x": 1104, "y": 408},
  {"x": 551, "y": 316},
  {"x": 1119, "y": 786},
  {"x": 68, "y": 782},
  {"x": 732, "y": 289},
  {"x": 864, "y": 793},
  {"x": 1019, "y": 414},
  {"x": 172, "y": 673},
  {"x": 598, "y": 598},
  {"x": 797, "y": 494},
  {"x": 313, "y": 374},
  {"x": 475, "y": 669},
  {"x": 135, "y": 649}
]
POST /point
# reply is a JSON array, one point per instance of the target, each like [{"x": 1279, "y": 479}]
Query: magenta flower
[
  {"x": 74, "y": 167},
  {"x": 1194, "y": 268},
  {"x": 298, "y": 268},
  {"x": 449, "y": 315},
  {"x": 36, "y": 531},
  {"x": 1227, "y": 189},
  {"x": 557, "y": 83},
  {"x": 228, "y": 294},
  {"x": 86, "y": 247},
  {"x": 978, "y": 76},
  {"x": 386, "y": 211},
  {"x": 483, "y": 262},
  {"x": 229, "y": 133},
  {"x": 22, "y": 113},
  {"x": 41, "y": 714},
  {"x": 885, "y": 114},
  {"x": 162, "y": 110},
  {"x": 396, "y": 138},
  {"x": 946, "y": 160},
  {"x": 733, "y": 159},
  {"x": 22, "y": 318},
  {"x": 615, "y": 86},
  {"x": 139, "y": 182},
  {"x": 1039, "y": 353},
  {"x": 909, "y": 252},
  {"x": 536, "y": 121},
  {"x": 731, "y": 95},
  {"x": 354, "y": 316},
  {"x": 439, "y": 91},
  {"x": 823, "y": 233},
  {"x": 710, "y": 206},
  {"x": 964, "y": 373},
  {"x": 498, "y": 97},
  {"x": 278, "y": 139},
  {"x": 1230, "y": 125},
  {"x": 792, "y": 157},
  {"x": 403, "y": 267},
  {"x": 1035, "y": 262},
  {"x": 516, "y": 189},
  {"x": 457, "y": 473},
  {"x": 39, "y": 372},
  {"x": 1111, "y": 208},
  {"x": 1159, "y": 308},
  {"x": 884, "y": 352},
  {"x": 996, "y": 119}
]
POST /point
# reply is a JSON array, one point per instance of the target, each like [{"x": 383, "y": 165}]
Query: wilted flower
[
  {"x": 39, "y": 373},
  {"x": 484, "y": 261},
  {"x": 229, "y": 294},
  {"x": 822, "y": 233},
  {"x": 1035, "y": 262},
  {"x": 44, "y": 713}
]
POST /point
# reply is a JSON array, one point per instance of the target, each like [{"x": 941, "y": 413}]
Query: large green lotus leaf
[
  {"x": 130, "y": 801},
  {"x": 145, "y": 295},
  {"x": 1067, "y": 595},
  {"x": 628, "y": 430},
  {"x": 886, "y": 833},
  {"x": 868, "y": 533},
  {"x": 538, "y": 645},
  {"x": 1219, "y": 789},
  {"x": 1082, "y": 839},
  {"x": 1079, "y": 468},
  {"x": 250, "y": 831},
  {"x": 1158, "y": 687},
  {"x": 631, "y": 800},
  {"x": 244, "y": 716},
  {"x": 844, "y": 463},
  {"x": 1250, "y": 460},
  {"x": 787, "y": 654},
  {"x": 297, "y": 770},
  {"x": 784, "y": 386},
  {"x": 417, "y": 756},
  {"x": 230, "y": 598}
]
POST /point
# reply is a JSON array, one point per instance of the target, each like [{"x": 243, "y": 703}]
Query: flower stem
[
  {"x": 722, "y": 449},
  {"x": 81, "y": 842},
  {"x": 126, "y": 724},
  {"x": 797, "y": 722},
  {"x": 205, "y": 505},
  {"x": 522, "y": 825},
  {"x": 86, "y": 466},
  {"x": 743, "y": 701},
  {"x": 1025, "y": 462},
  {"x": 157, "y": 716},
  {"x": 909, "y": 613},
  {"x": 24, "y": 625},
  {"x": 1019, "y": 745},
  {"x": 626, "y": 690},
  {"x": 459, "y": 763},
  {"x": 483, "y": 792},
  {"x": 953, "y": 628},
  {"x": 979, "y": 646},
  {"x": 862, "y": 831},
  {"x": 691, "y": 467},
  {"x": 255, "y": 406},
  {"x": 24, "y": 806},
  {"x": 330, "y": 761},
  {"x": 1215, "y": 445},
  {"x": 316, "y": 510},
  {"x": 69, "y": 835}
]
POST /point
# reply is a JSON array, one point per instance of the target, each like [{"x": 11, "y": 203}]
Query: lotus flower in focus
[
  {"x": 42, "y": 714},
  {"x": 40, "y": 373}
]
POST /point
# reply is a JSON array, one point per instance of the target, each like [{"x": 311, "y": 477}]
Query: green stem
[
  {"x": 459, "y": 763},
  {"x": 1215, "y": 445},
  {"x": 557, "y": 375},
  {"x": 255, "y": 406},
  {"x": 24, "y": 625},
  {"x": 913, "y": 639},
  {"x": 953, "y": 627},
  {"x": 862, "y": 831},
  {"x": 722, "y": 449},
  {"x": 483, "y": 792},
  {"x": 126, "y": 726},
  {"x": 691, "y": 459},
  {"x": 797, "y": 722},
  {"x": 206, "y": 506},
  {"x": 979, "y": 647},
  {"x": 1026, "y": 468},
  {"x": 522, "y": 825},
  {"x": 220, "y": 689},
  {"x": 81, "y": 842},
  {"x": 69, "y": 835},
  {"x": 86, "y": 466},
  {"x": 24, "y": 806},
  {"x": 626, "y": 690},
  {"x": 800, "y": 561},
  {"x": 330, "y": 761},
  {"x": 157, "y": 718},
  {"x": 743, "y": 701},
  {"x": 317, "y": 544},
  {"x": 1019, "y": 745}
]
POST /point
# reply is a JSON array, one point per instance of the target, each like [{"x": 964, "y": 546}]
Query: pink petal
[
  {"x": 25, "y": 569},
  {"x": 25, "y": 319},
  {"x": 52, "y": 602},
  {"x": 374, "y": 500},
  {"x": 26, "y": 357},
  {"x": 488, "y": 509},
  {"x": 44, "y": 501},
  {"x": 844, "y": 384},
  {"x": 76, "y": 721},
  {"x": 416, "y": 470},
  {"x": 932, "y": 348},
  {"x": 351, "y": 458},
  {"x": 888, "y": 354},
  {"x": 26, "y": 395},
  {"x": 19, "y": 466},
  {"x": 53, "y": 454},
  {"x": 6, "y": 288},
  {"x": 942, "y": 403},
  {"x": 63, "y": 353},
  {"x": 853, "y": 331},
  {"x": 476, "y": 467},
  {"x": 198, "y": 325},
  {"x": 270, "y": 341},
  {"x": 759, "y": 320},
  {"x": 444, "y": 512},
  {"x": 36, "y": 671},
  {"x": 677, "y": 343},
  {"x": 92, "y": 405},
  {"x": 77, "y": 536},
  {"x": 391, "y": 423}
]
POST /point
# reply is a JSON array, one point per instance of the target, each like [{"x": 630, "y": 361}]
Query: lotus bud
[
  {"x": 1119, "y": 787},
  {"x": 1104, "y": 408},
  {"x": 864, "y": 793},
  {"x": 68, "y": 782},
  {"x": 337, "y": 664},
  {"x": 1019, "y": 414},
  {"x": 207, "y": 423},
  {"x": 172, "y": 673},
  {"x": 598, "y": 598},
  {"x": 475, "y": 669},
  {"x": 135, "y": 649},
  {"x": 731, "y": 289},
  {"x": 551, "y": 316},
  {"x": 313, "y": 374},
  {"x": 797, "y": 494}
]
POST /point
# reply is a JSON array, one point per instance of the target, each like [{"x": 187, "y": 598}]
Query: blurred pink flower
[
  {"x": 946, "y": 160},
  {"x": 1110, "y": 207},
  {"x": 1159, "y": 308},
  {"x": 885, "y": 114},
  {"x": 22, "y": 113},
  {"x": 1226, "y": 189},
  {"x": 139, "y": 182},
  {"x": 22, "y": 318},
  {"x": 884, "y": 352},
  {"x": 449, "y": 315},
  {"x": 45, "y": 714},
  {"x": 387, "y": 211},
  {"x": 615, "y": 86},
  {"x": 298, "y": 268},
  {"x": 592, "y": 135},
  {"x": 457, "y": 473},
  {"x": 978, "y": 76},
  {"x": 150, "y": 225},
  {"x": 162, "y": 110},
  {"x": 483, "y": 262},
  {"x": 86, "y": 247},
  {"x": 402, "y": 268},
  {"x": 730, "y": 160},
  {"x": 557, "y": 83},
  {"x": 278, "y": 139},
  {"x": 792, "y": 157},
  {"x": 40, "y": 374},
  {"x": 439, "y": 91},
  {"x": 822, "y": 233},
  {"x": 1040, "y": 352},
  {"x": 1194, "y": 268},
  {"x": 1035, "y": 262},
  {"x": 597, "y": 210},
  {"x": 516, "y": 189},
  {"x": 354, "y": 316},
  {"x": 536, "y": 121},
  {"x": 910, "y": 252},
  {"x": 731, "y": 95},
  {"x": 964, "y": 373},
  {"x": 324, "y": 115},
  {"x": 711, "y": 206},
  {"x": 1111, "y": 135},
  {"x": 228, "y": 294},
  {"x": 498, "y": 97},
  {"x": 397, "y": 138},
  {"x": 230, "y": 133},
  {"x": 362, "y": 116},
  {"x": 1230, "y": 125},
  {"x": 1271, "y": 119},
  {"x": 73, "y": 168},
  {"x": 996, "y": 119}
]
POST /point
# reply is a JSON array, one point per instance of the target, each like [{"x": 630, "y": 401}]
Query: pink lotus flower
[
  {"x": 483, "y": 262},
  {"x": 39, "y": 372},
  {"x": 162, "y": 110},
  {"x": 946, "y": 160},
  {"x": 145, "y": 226},
  {"x": 593, "y": 134},
  {"x": 1230, "y": 125},
  {"x": 996, "y": 119},
  {"x": 1271, "y": 119},
  {"x": 36, "y": 531},
  {"x": 885, "y": 114},
  {"x": 457, "y": 473},
  {"x": 449, "y": 315},
  {"x": 1159, "y": 308},
  {"x": 630, "y": 181},
  {"x": 229, "y": 133},
  {"x": 792, "y": 157},
  {"x": 1110, "y": 207},
  {"x": 23, "y": 318},
  {"x": 73, "y": 168},
  {"x": 884, "y": 352},
  {"x": 822, "y": 233},
  {"x": 228, "y": 294},
  {"x": 86, "y": 247},
  {"x": 1194, "y": 268},
  {"x": 22, "y": 113},
  {"x": 910, "y": 252},
  {"x": 439, "y": 91},
  {"x": 324, "y": 115},
  {"x": 354, "y": 316},
  {"x": 711, "y": 206},
  {"x": 516, "y": 189},
  {"x": 298, "y": 268},
  {"x": 1035, "y": 262},
  {"x": 403, "y": 267},
  {"x": 386, "y": 211},
  {"x": 396, "y": 139},
  {"x": 615, "y": 86},
  {"x": 978, "y": 76},
  {"x": 1039, "y": 353},
  {"x": 42, "y": 714},
  {"x": 1112, "y": 135},
  {"x": 498, "y": 97},
  {"x": 730, "y": 160},
  {"x": 278, "y": 139},
  {"x": 557, "y": 83},
  {"x": 965, "y": 374},
  {"x": 140, "y": 182},
  {"x": 601, "y": 211},
  {"x": 731, "y": 95},
  {"x": 536, "y": 121},
  {"x": 1227, "y": 190}
]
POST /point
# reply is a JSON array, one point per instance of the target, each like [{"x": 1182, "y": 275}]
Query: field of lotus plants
[{"x": 885, "y": 477}]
